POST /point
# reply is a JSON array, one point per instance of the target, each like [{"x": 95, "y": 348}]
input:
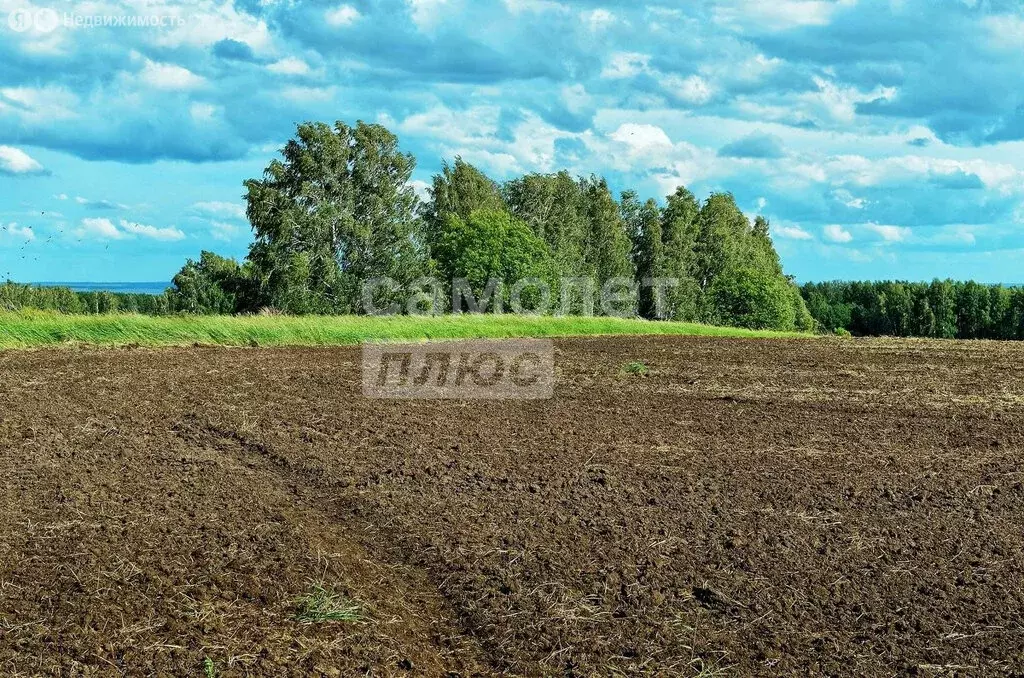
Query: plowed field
[{"x": 749, "y": 507}]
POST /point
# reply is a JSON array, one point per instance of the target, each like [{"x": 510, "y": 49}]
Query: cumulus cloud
[
  {"x": 693, "y": 89},
  {"x": 426, "y": 13},
  {"x": 778, "y": 15},
  {"x": 642, "y": 139},
  {"x": 223, "y": 209},
  {"x": 597, "y": 19},
  {"x": 169, "y": 233},
  {"x": 169, "y": 76},
  {"x": 101, "y": 228},
  {"x": 223, "y": 231},
  {"x": 625, "y": 65},
  {"x": 99, "y": 204},
  {"x": 343, "y": 15},
  {"x": 289, "y": 66},
  {"x": 104, "y": 229},
  {"x": 836, "y": 233},
  {"x": 791, "y": 232},
  {"x": 14, "y": 161},
  {"x": 890, "y": 233},
  {"x": 15, "y": 232}
]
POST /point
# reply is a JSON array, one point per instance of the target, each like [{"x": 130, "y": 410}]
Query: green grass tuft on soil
[
  {"x": 320, "y": 605},
  {"x": 27, "y": 329}
]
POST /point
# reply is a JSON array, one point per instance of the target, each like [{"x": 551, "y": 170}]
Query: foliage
[
  {"x": 637, "y": 368},
  {"x": 747, "y": 297},
  {"x": 941, "y": 309},
  {"x": 15, "y": 297},
  {"x": 211, "y": 285},
  {"x": 459, "y": 190},
  {"x": 492, "y": 245},
  {"x": 338, "y": 209}
]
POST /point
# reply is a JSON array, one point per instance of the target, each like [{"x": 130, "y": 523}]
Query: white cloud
[
  {"x": 104, "y": 229},
  {"x": 792, "y": 233},
  {"x": 422, "y": 189},
  {"x": 16, "y": 161},
  {"x": 204, "y": 112},
  {"x": 204, "y": 23},
  {"x": 840, "y": 103},
  {"x": 169, "y": 76},
  {"x": 425, "y": 13},
  {"x": 16, "y": 232},
  {"x": 101, "y": 228},
  {"x": 536, "y": 6},
  {"x": 626, "y": 65},
  {"x": 289, "y": 66},
  {"x": 890, "y": 233},
  {"x": 837, "y": 233},
  {"x": 597, "y": 19},
  {"x": 475, "y": 125},
  {"x": 847, "y": 198},
  {"x": 1006, "y": 31},
  {"x": 344, "y": 15},
  {"x": 167, "y": 234},
  {"x": 959, "y": 234},
  {"x": 216, "y": 208},
  {"x": 778, "y": 14},
  {"x": 473, "y": 134},
  {"x": 642, "y": 139},
  {"x": 220, "y": 230},
  {"x": 694, "y": 89},
  {"x": 576, "y": 98},
  {"x": 40, "y": 105},
  {"x": 308, "y": 94}
]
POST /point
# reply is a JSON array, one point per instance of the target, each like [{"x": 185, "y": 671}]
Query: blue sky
[{"x": 883, "y": 138}]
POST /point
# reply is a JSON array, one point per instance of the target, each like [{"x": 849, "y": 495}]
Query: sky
[{"x": 884, "y": 139}]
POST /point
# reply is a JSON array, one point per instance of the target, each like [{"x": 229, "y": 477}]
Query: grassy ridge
[{"x": 28, "y": 329}]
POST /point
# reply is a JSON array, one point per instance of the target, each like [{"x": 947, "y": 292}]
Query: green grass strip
[{"x": 28, "y": 329}]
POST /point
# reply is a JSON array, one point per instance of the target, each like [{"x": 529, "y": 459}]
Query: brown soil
[{"x": 748, "y": 508}]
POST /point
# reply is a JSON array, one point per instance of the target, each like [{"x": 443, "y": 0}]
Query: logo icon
[
  {"x": 46, "y": 20},
  {"x": 20, "y": 20},
  {"x": 24, "y": 19}
]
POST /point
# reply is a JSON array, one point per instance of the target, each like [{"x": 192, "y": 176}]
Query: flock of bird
[{"x": 24, "y": 252}]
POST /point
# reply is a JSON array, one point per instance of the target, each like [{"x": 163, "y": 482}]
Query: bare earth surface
[{"x": 806, "y": 507}]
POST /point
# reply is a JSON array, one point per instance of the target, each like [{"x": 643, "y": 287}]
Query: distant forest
[
  {"x": 338, "y": 211},
  {"x": 944, "y": 309}
]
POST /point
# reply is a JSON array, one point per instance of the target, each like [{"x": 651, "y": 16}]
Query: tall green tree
[
  {"x": 459, "y": 189},
  {"x": 679, "y": 238},
  {"x": 721, "y": 228},
  {"x": 212, "y": 285},
  {"x": 493, "y": 246},
  {"x": 552, "y": 205},
  {"x": 336, "y": 210},
  {"x": 643, "y": 222},
  {"x": 606, "y": 249}
]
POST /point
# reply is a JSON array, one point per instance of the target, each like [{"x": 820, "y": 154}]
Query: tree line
[
  {"x": 338, "y": 210},
  {"x": 15, "y": 296},
  {"x": 945, "y": 309}
]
